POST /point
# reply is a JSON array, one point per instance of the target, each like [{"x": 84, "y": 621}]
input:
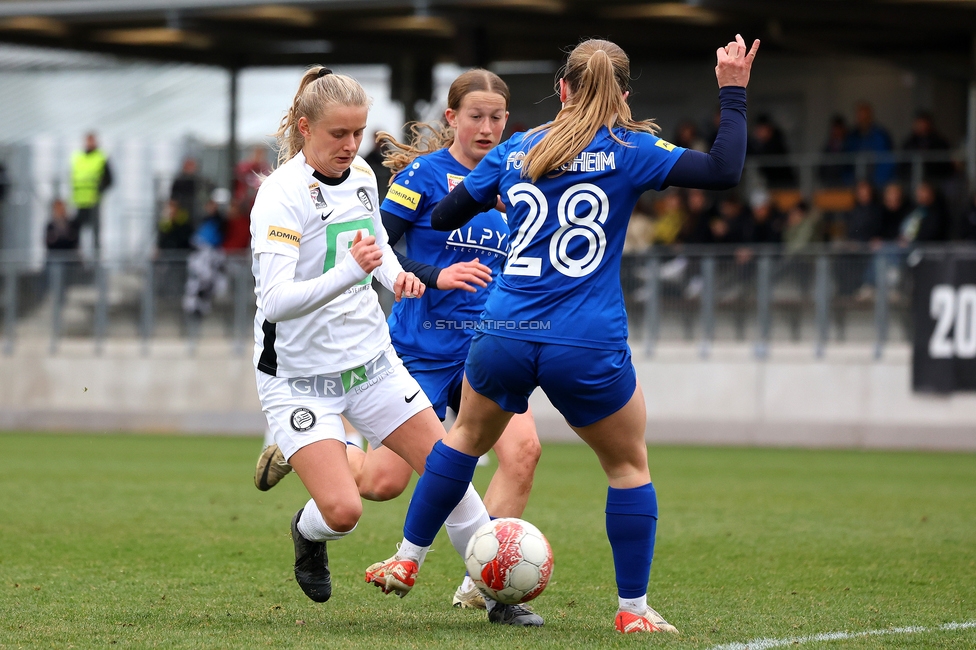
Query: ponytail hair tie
[{"x": 322, "y": 72}]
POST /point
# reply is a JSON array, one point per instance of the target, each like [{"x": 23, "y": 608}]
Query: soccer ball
[{"x": 509, "y": 560}]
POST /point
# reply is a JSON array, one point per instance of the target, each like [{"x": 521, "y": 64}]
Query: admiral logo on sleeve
[
  {"x": 403, "y": 196},
  {"x": 276, "y": 233},
  {"x": 664, "y": 144}
]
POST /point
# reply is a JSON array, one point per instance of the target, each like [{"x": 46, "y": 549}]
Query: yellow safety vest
[{"x": 86, "y": 175}]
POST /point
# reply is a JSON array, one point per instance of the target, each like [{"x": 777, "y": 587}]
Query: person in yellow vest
[{"x": 90, "y": 177}]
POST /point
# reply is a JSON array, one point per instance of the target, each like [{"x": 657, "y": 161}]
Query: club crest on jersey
[
  {"x": 317, "y": 198},
  {"x": 364, "y": 198},
  {"x": 453, "y": 180},
  {"x": 302, "y": 419}
]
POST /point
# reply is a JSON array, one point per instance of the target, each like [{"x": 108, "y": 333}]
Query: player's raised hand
[
  {"x": 408, "y": 285},
  {"x": 465, "y": 276},
  {"x": 365, "y": 251},
  {"x": 735, "y": 63}
]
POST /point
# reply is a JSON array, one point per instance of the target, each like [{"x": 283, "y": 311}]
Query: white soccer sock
[
  {"x": 467, "y": 517},
  {"x": 312, "y": 526},
  {"x": 633, "y": 605},
  {"x": 410, "y": 551},
  {"x": 467, "y": 584}
]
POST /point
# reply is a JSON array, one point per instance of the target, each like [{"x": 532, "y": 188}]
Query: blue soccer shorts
[
  {"x": 440, "y": 379},
  {"x": 584, "y": 384}
]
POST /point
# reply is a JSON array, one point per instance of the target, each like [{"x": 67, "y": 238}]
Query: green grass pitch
[{"x": 156, "y": 541}]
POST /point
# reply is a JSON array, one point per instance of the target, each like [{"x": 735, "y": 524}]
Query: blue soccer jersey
[
  {"x": 561, "y": 281},
  {"x": 441, "y": 323}
]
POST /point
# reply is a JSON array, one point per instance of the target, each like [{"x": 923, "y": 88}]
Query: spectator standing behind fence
[
  {"x": 767, "y": 139},
  {"x": 928, "y": 221},
  {"x": 61, "y": 233},
  {"x": 669, "y": 218},
  {"x": 864, "y": 223},
  {"x": 247, "y": 178},
  {"x": 687, "y": 136},
  {"x": 91, "y": 176},
  {"x": 894, "y": 209},
  {"x": 870, "y": 137},
  {"x": 766, "y": 223},
  {"x": 701, "y": 211},
  {"x": 727, "y": 227},
  {"x": 188, "y": 188},
  {"x": 925, "y": 139},
  {"x": 174, "y": 229},
  {"x": 833, "y": 175}
]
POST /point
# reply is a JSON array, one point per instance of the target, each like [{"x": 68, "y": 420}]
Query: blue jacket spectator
[{"x": 869, "y": 137}]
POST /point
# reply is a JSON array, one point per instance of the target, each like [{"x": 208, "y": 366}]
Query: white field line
[{"x": 764, "y": 644}]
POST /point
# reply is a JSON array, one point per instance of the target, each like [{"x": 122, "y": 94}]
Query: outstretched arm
[{"x": 721, "y": 167}]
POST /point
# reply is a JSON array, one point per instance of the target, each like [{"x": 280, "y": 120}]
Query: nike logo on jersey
[
  {"x": 410, "y": 399},
  {"x": 326, "y": 216}
]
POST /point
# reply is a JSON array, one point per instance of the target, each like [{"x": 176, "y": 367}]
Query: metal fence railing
[{"x": 757, "y": 295}]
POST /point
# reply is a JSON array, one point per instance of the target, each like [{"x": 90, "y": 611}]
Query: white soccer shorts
[{"x": 376, "y": 398}]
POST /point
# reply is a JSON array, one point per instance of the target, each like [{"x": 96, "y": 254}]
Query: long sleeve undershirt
[
  {"x": 395, "y": 229},
  {"x": 284, "y": 298}
]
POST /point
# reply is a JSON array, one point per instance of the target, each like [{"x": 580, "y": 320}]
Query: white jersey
[{"x": 312, "y": 218}]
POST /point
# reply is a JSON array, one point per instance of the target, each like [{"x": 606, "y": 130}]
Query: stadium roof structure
[{"x": 936, "y": 35}]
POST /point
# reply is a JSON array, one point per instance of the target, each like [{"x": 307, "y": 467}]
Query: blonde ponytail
[
  {"x": 597, "y": 73},
  {"x": 318, "y": 89}
]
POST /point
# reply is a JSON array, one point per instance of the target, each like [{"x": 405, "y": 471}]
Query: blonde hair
[
  {"x": 425, "y": 137},
  {"x": 318, "y": 89},
  {"x": 598, "y": 74}
]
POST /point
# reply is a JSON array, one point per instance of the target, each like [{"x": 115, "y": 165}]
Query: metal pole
[
  {"x": 10, "y": 308},
  {"x": 148, "y": 306},
  {"x": 764, "y": 298},
  {"x": 242, "y": 294},
  {"x": 101, "y": 306},
  {"x": 232, "y": 127},
  {"x": 652, "y": 304},
  {"x": 821, "y": 297},
  {"x": 57, "y": 302},
  {"x": 880, "y": 305},
  {"x": 707, "y": 306}
]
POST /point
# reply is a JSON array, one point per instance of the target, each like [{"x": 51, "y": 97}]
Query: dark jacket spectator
[
  {"x": 967, "y": 225},
  {"x": 728, "y": 225},
  {"x": 765, "y": 225},
  {"x": 928, "y": 221},
  {"x": 175, "y": 229},
  {"x": 687, "y": 136},
  {"x": 696, "y": 229},
  {"x": 833, "y": 175},
  {"x": 768, "y": 140},
  {"x": 869, "y": 137},
  {"x": 61, "y": 233},
  {"x": 865, "y": 222},
  {"x": 925, "y": 139},
  {"x": 187, "y": 189},
  {"x": 894, "y": 208}
]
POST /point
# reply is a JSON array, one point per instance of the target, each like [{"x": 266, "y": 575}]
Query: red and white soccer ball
[{"x": 509, "y": 560}]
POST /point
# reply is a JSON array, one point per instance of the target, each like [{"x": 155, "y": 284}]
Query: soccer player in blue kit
[
  {"x": 556, "y": 316},
  {"x": 433, "y": 336}
]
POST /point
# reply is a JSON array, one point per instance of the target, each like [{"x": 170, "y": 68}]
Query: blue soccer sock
[
  {"x": 447, "y": 474},
  {"x": 631, "y": 525}
]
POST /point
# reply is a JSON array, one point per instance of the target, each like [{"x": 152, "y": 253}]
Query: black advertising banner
[{"x": 944, "y": 305}]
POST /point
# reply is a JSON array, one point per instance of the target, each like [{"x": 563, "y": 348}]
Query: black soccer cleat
[
  {"x": 514, "y": 615},
  {"x": 311, "y": 564}
]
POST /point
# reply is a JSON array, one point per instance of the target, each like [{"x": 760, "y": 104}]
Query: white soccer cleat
[
  {"x": 651, "y": 621},
  {"x": 469, "y": 598}
]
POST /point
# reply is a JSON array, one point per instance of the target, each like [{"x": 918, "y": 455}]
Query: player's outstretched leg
[
  {"x": 468, "y": 596},
  {"x": 311, "y": 564},
  {"x": 271, "y": 468}
]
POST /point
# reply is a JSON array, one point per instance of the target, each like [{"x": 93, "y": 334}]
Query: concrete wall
[{"x": 845, "y": 400}]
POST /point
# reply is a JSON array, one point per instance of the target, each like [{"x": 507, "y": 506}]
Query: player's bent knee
[
  {"x": 522, "y": 457},
  {"x": 343, "y": 518},
  {"x": 383, "y": 488}
]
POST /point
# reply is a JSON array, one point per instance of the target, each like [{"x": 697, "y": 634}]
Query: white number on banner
[
  {"x": 589, "y": 226},
  {"x": 954, "y": 311}
]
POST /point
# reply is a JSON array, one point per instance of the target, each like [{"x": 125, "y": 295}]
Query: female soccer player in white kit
[{"x": 322, "y": 345}]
